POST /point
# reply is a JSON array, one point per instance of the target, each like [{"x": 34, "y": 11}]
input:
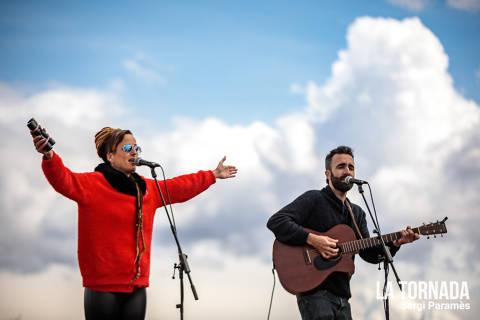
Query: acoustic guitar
[{"x": 302, "y": 268}]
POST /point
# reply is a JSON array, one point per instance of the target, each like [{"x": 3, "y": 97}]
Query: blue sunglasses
[{"x": 128, "y": 147}]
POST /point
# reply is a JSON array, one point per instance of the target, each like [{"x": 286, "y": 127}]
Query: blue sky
[
  {"x": 235, "y": 60},
  {"x": 273, "y": 85}
]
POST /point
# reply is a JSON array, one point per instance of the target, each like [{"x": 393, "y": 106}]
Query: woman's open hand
[{"x": 224, "y": 172}]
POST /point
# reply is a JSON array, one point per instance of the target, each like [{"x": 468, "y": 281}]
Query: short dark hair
[{"x": 337, "y": 150}]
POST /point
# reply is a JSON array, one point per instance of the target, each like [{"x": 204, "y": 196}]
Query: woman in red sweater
[{"x": 116, "y": 208}]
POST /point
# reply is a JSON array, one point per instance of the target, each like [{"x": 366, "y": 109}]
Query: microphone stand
[
  {"x": 387, "y": 257},
  {"x": 182, "y": 265}
]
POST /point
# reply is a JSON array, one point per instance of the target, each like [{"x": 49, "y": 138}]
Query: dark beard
[{"x": 339, "y": 183}]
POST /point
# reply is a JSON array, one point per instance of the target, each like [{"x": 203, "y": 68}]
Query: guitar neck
[
  {"x": 356, "y": 245},
  {"x": 429, "y": 229}
]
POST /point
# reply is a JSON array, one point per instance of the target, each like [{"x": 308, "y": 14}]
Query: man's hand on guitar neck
[
  {"x": 325, "y": 245},
  {"x": 407, "y": 236}
]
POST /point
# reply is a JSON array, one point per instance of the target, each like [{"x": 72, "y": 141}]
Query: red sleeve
[
  {"x": 62, "y": 179},
  {"x": 185, "y": 187}
]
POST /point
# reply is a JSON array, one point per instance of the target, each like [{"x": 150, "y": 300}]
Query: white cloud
[
  {"x": 398, "y": 87},
  {"x": 389, "y": 96},
  {"x": 297, "y": 89},
  {"x": 413, "y": 5},
  {"x": 145, "y": 70},
  {"x": 465, "y": 5},
  {"x": 68, "y": 106},
  {"x": 30, "y": 296}
]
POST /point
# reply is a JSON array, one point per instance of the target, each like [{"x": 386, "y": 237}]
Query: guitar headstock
[{"x": 432, "y": 228}]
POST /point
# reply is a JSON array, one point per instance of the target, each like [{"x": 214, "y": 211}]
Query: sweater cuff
[
  {"x": 393, "y": 249},
  {"x": 301, "y": 237},
  {"x": 214, "y": 179},
  {"x": 44, "y": 158},
  {"x": 52, "y": 162}
]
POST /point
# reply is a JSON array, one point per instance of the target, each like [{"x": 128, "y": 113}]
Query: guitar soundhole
[{"x": 322, "y": 264}]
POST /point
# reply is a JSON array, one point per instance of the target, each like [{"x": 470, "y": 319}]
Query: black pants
[
  {"x": 115, "y": 305},
  {"x": 323, "y": 305}
]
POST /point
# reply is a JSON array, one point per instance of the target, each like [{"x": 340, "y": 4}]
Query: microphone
[
  {"x": 141, "y": 162},
  {"x": 350, "y": 180}
]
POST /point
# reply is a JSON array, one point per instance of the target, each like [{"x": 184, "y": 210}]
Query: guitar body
[{"x": 302, "y": 268}]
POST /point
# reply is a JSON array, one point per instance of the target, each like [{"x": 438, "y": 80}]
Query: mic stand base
[{"x": 182, "y": 292}]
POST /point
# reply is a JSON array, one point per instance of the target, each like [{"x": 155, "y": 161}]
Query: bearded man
[{"x": 320, "y": 210}]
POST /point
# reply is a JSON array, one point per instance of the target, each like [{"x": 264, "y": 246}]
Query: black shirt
[{"x": 321, "y": 210}]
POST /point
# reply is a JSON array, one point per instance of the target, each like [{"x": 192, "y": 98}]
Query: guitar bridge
[{"x": 306, "y": 256}]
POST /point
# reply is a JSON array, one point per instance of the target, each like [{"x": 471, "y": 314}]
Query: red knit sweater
[{"x": 106, "y": 222}]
